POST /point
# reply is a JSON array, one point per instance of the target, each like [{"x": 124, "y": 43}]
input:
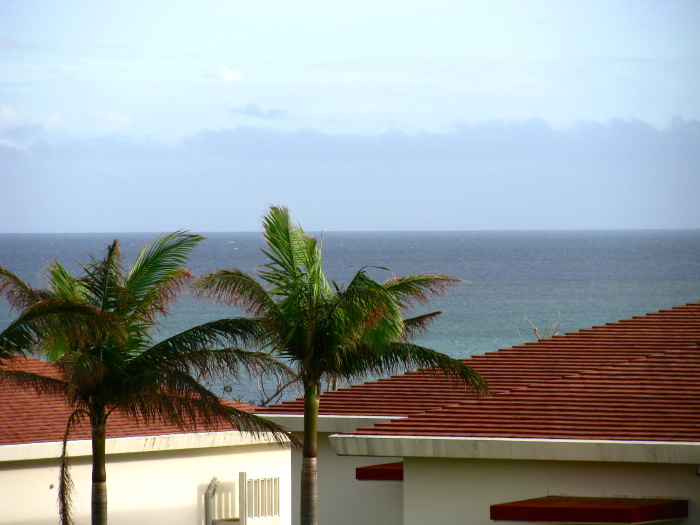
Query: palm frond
[
  {"x": 41, "y": 384},
  {"x": 55, "y": 321},
  {"x": 19, "y": 294},
  {"x": 63, "y": 284},
  {"x": 212, "y": 350},
  {"x": 417, "y": 325},
  {"x": 371, "y": 309},
  {"x": 88, "y": 377},
  {"x": 295, "y": 257},
  {"x": 312, "y": 262},
  {"x": 398, "y": 357},
  {"x": 65, "y": 482},
  {"x": 283, "y": 250},
  {"x": 419, "y": 288},
  {"x": 181, "y": 400},
  {"x": 158, "y": 273},
  {"x": 236, "y": 288},
  {"x": 102, "y": 281}
]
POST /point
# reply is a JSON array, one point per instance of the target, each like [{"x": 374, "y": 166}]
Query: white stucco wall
[
  {"x": 452, "y": 491},
  {"x": 343, "y": 500},
  {"x": 155, "y": 486}
]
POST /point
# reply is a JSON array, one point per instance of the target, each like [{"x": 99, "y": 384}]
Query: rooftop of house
[
  {"x": 634, "y": 380},
  {"x": 27, "y": 417}
]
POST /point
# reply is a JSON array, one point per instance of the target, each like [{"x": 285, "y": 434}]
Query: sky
[{"x": 121, "y": 116}]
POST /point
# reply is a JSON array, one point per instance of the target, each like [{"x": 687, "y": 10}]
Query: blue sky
[{"x": 382, "y": 115}]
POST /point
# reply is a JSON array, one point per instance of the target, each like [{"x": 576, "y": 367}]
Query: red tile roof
[
  {"x": 26, "y": 417},
  {"x": 636, "y": 379}
]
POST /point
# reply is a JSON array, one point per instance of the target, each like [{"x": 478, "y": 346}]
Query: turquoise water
[{"x": 585, "y": 278}]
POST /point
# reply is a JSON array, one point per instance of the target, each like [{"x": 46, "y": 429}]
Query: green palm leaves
[{"x": 327, "y": 331}]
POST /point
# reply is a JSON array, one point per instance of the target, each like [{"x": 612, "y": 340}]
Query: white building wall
[
  {"x": 164, "y": 487},
  {"x": 461, "y": 491},
  {"x": 342, "y": 499}
]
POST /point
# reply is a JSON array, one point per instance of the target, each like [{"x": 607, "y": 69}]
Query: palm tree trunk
[
  {"x": 309, "y": 473},
  {"x": 99, "y": 471}
]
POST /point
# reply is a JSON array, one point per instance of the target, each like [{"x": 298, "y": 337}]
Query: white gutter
[
  {"x": 135, "y": 444},
  {"x": 523, "y": 449}
]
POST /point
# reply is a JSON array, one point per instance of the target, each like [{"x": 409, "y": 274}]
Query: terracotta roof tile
[
  {"x": 636, "y": 379},
  {"x": 26, "y": 417}
]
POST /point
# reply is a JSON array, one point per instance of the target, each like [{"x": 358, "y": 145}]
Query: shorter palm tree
[
  {"x": 97, "y": 329},
  {"x": 331, "y": 333}
]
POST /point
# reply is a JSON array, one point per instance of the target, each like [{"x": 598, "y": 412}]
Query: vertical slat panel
[
  {"x": 242, "y": 498},
  {"x": 261, "y": 499}
]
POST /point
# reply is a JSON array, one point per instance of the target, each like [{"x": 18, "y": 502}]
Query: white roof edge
[
  {"x": 328, "y": 423},
  {"x": 126, "y": 445},
  {"x": 523, "y": 449}
]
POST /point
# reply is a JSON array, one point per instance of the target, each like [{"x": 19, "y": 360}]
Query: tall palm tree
[
  {"x": 328, "y": 332},
  {"x": 98, "y": 331}
]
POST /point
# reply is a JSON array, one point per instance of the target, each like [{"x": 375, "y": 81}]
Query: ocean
[{"x": 580, "y": 278}]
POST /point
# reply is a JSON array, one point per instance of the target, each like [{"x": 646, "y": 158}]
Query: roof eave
[
  {"x": 128, "y": 445},
  {"x": 517, "y": 449}
]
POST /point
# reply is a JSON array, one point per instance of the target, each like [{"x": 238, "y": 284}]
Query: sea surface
[{"x": 578, "y": 278}]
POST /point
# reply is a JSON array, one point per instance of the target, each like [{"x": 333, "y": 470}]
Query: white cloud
[
  {"x": 9, "y": 116},
  {"x": 18, "y": 116},
  {"x": 11, "y": 145},
  {"x": 255, "y": 111},
  {"x": 229, "y": 75},
  {"x": 118, "y": 118}
]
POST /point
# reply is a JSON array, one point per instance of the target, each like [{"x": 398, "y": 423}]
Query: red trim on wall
[
  {"x": 383, "y": 472},
  {"x": 591, "y": 510}
]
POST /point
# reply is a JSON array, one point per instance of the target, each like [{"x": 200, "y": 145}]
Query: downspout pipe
[{"x": 208, "y": 497}]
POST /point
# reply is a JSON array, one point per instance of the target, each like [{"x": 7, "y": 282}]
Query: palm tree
[
  {"x": 98, "y": 331},
  {"x": 327, "y": 332}
]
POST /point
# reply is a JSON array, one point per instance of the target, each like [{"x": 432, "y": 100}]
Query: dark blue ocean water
[{"x": 585, "y": 278}]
